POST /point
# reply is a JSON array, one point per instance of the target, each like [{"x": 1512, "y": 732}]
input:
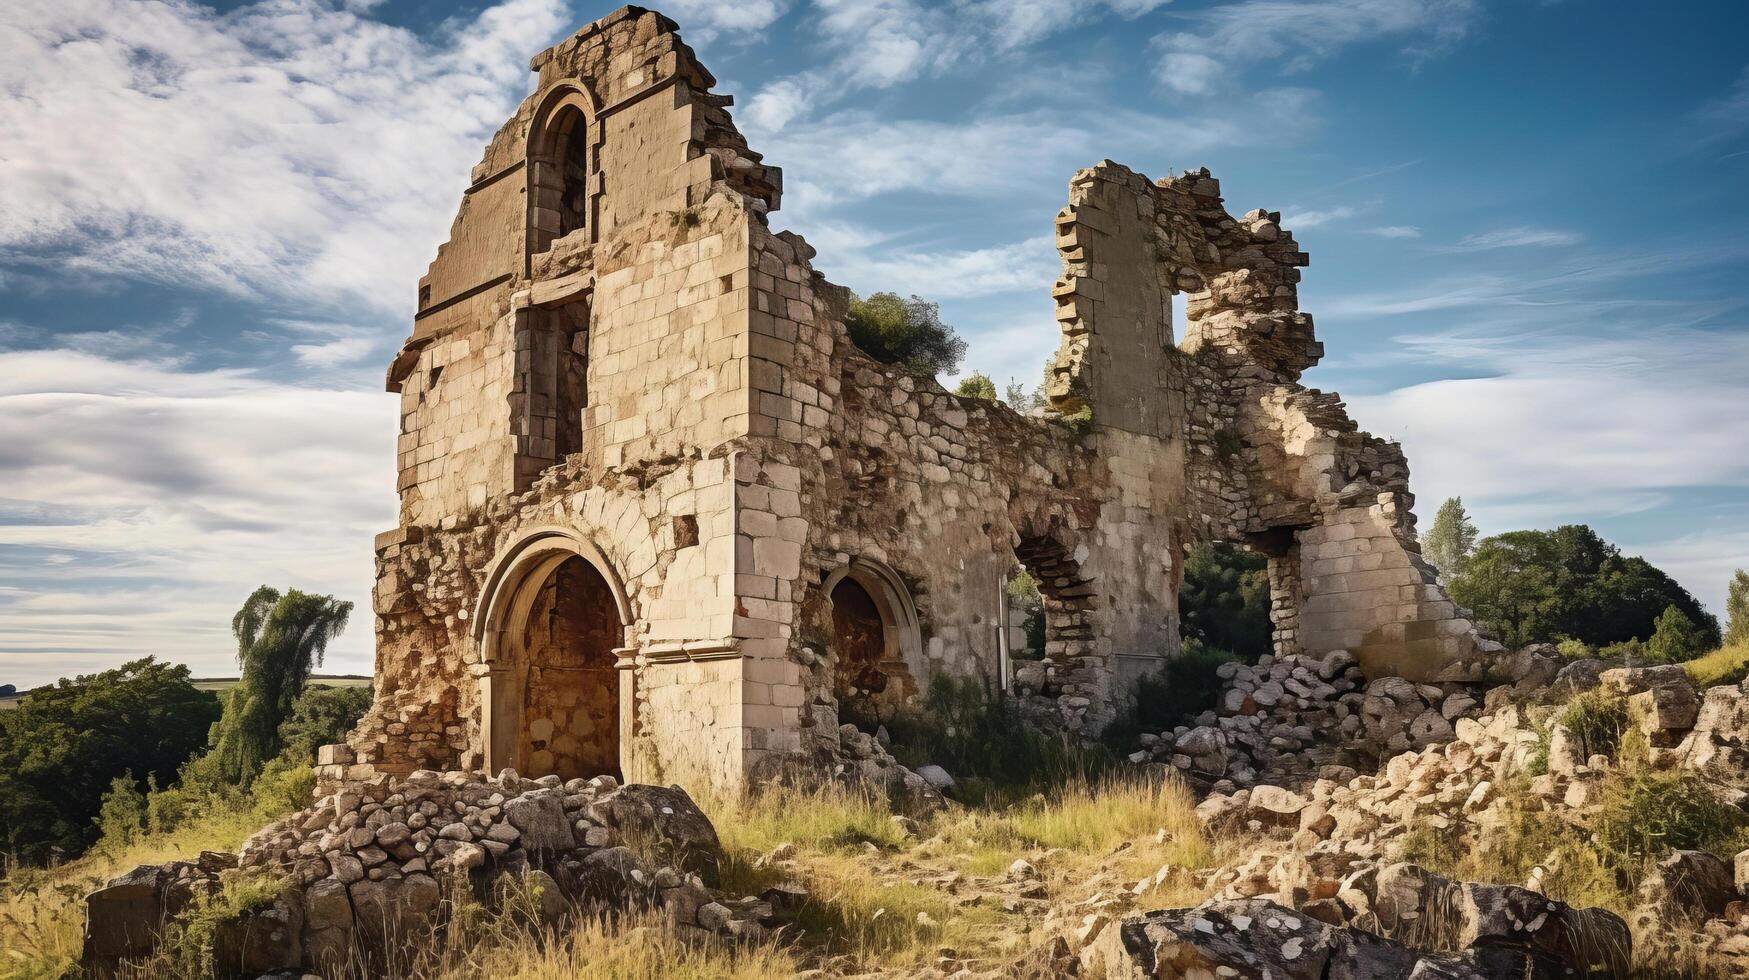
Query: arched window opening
[
  {"x": 559, "y": 168},
  {"x": 569, "y": 722},
  {"x": 1064, "y": 596}
]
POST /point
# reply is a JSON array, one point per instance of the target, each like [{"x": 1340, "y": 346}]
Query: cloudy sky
[{"x": 1526, "y": 221}]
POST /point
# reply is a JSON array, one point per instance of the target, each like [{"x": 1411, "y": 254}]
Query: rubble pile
[{"x": 369, "y": 864}]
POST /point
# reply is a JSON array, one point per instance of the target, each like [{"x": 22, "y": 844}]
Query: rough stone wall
[{"x": 617, "y": 364}]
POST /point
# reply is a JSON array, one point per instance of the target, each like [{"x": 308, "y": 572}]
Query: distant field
[{"x": 226, "y": 683}]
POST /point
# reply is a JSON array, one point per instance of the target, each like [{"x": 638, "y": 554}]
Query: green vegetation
[
  {"x": 1543, "y": 586},
  {"x": 321, "y": 716},
  {"x": 1737, "y": 609},
  {"x": 1726, "y": 665},
  {"x": 63, "y": 747},
  {"x": 968, "y": 728},
  {"x": 1182, "y": 689},
  {"x": 1598, "y": 719},
  {"x": 907, "y": 332},
  {"x": 1024, "y": 595},
  {"x": 1451, "y": 540},
  {"x": 1676, "y": 638},
  {"x": 1224, "y": 601},
  {"x": 976, "y": 385},
  {"x": 280, "y": 640}
]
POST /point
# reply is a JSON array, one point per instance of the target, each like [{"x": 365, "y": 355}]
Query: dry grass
[
  {"x": 42, "y": 914},
  {"x": 1726, "y": 665}
]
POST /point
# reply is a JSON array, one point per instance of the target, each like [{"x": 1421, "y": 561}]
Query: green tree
[
  {"x": 908, "y": 332},
  {"x": 121, "y": 816},
  {"x": 977, "y": 385},
  {"x": 280, "y": 639},
  {"x": 1676, "y": 638},
  {"x": 63, "y": 746},
  {"x": 1224, "y": 600},
  {"x": 1450, "y": 540},
  {"x": 322, "y": 716},
  {"x": 1568, "y": 583},
  {"x": 1737, "y": 608}
]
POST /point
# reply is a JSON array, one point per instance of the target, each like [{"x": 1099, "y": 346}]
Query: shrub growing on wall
[{"x": 907, "y": 332}]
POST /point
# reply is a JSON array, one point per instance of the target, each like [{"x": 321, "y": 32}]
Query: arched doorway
[
  {"x": 551, "y": 622},
  {"x": 876, "y": 644},
  {"x": 570, "y": 690}
]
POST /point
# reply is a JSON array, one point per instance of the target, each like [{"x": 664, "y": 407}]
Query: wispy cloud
[
  {"x": 1313, "y": 217},
  {"x": 147, "y": 500},
  {"x": 284, "y": 148},
  {"x": 1297, "y": 34},
  {"x": 1395, "y": 231},
  {"x": 1519, "y": 237},
  {"x": 1725, "y": 118}
]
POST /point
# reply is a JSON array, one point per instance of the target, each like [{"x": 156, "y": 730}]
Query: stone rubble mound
[
  {"x": 1343, "y": 838},
  {"x": 1286, "y": 721},
  {"x": 367, "y": 867}
]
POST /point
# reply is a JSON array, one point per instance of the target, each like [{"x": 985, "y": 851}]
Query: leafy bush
[
  {"x": 1676, "y": 638},
  {"x": 1182, "y": 689},
  {"x": 1598, "y": 719},
  {"x": 976, "y": 385},
  {"x": 63, "y": 746},
  {"x": 122, "y": 816},
  {"x": 322, "y": 715},
  {"x": 970, "y": 729},
  {"x": 1224, "y": 601},
  {"x": 907, "y": 332},
  {"x": 1572, "y": 649}
]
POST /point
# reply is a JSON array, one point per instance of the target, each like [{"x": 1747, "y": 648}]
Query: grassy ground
[{"x": 1726, "y": 665}]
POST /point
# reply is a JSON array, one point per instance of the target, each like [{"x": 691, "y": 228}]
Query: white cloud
[
  {"x": 1025, "y": 266},
  {"x": 1190, "y": 72},
  {"x": 334, "y": 353},
  {"x": 1312, "y": 218},
  {"x": 1296, "y": 34},
  {"x": 169, "y": 495},
  {"x": 287, "y": 147},
  {"x": 1520, "y": 237},
  {"x": 1725, "y": 118},
  {"x": 1395, "y": 231},
  {"x": 703, "y": 21},
  {"x": 1566, "y": 427}
]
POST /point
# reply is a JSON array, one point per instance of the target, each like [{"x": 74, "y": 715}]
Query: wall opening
[
  {"x": 551, "y": 387},
  {"x": 1065, "y": 597},
  {"x": 876, "y": 645},
  {"x": 1223, "y": 600},
  {"x": 569, "y": 690},
  {"x": 559, "y": 167}
]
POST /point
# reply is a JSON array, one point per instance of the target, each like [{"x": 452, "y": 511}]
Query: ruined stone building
[{"x": 660, "y": 518}]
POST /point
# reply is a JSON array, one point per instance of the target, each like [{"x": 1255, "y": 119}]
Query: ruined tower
[{"x": 659, "y": 517}]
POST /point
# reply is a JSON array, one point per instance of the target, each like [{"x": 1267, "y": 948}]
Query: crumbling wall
[{"x": 616, "y": 360}]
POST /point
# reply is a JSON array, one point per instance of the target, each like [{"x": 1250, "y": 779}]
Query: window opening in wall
[{"x": 559, "y": 180}]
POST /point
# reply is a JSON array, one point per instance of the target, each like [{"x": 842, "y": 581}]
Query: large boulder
[
  {"x": 540, "y": 820},
  {"x": 663, "y": 819},
  {"x": 1254, "y": 938},
  {"x": 124, "y": 917},
  {"x": 1689, "y": 887},
  {"x": 1545, "y": 937}
]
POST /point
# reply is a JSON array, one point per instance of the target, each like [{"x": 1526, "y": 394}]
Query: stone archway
[
  {"x": 877, "y": 644},
  {"x": 550, "y": 625}
]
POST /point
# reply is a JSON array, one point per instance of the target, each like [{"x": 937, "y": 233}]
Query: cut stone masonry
[{"x": 639, "y": 455}]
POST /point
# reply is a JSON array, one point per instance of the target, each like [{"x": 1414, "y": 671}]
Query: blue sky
[{"x": 1526, "y": 223}]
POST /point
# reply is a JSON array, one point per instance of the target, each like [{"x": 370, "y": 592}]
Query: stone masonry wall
[{"x": 620, "y": 369}]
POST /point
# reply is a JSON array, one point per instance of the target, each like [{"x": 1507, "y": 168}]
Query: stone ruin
[{"x": 660, "y": 519}]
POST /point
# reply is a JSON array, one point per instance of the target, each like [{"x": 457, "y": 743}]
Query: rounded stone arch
[
  {"x": 900, "y": 660},
  {"x": 562, "y": 148},
  {"x": 529, "y": 559},
  {"x": 553, "y": 699},
  {"x": 1052, "y": 553}
]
